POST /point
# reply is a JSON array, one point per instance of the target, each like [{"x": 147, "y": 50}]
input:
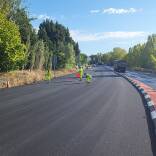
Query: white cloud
[
  {"x": 81, "y": 36},
  {"x": 122, "y": 34},
  {"x": 117, "y": 11},
  {"x": 85, "y": 37},
  {"x": 43, "y": 17},
  {"x": 120, "y": 11},
  {"x": 94, "y": 11}
]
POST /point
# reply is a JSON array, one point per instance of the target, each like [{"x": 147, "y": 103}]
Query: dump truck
[{"x": 120, "y": 66}]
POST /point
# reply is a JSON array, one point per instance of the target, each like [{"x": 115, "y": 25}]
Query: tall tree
[
  {"x": 118, "y": 53},
  {"x": 69, "y": 55},
  {"x": 22, "y": 20},
  {"x": 77, "y": 53},
  {"x": 153, "y": 61},
  {"x": 150, "y": 49},
  {"x": 9, "y": 7},
  {"x": 134, "y": 56},
  {"x": 39, "y": 55},
  {"x": 12, "y": 51},
  {"x": 83, "y": 59},
  {"x": 57, "y": 38}
]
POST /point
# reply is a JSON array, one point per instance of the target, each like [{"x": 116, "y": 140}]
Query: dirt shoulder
[{"x": 19, "y": 78}]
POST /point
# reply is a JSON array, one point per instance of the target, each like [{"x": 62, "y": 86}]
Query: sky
[{"x": 99, "y": 25}]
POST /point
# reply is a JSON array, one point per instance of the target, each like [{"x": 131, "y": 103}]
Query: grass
[{"x": 18, "y": 78}]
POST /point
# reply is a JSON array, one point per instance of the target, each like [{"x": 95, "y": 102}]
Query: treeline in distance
[{"x": 139, "y": 56}]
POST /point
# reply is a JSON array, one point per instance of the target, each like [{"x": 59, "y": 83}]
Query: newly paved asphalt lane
[
  {"x": 67, "y": 117},
  {"x": 147, "y": 78}
]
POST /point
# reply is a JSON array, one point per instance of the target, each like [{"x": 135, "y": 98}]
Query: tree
[
  {"x": 153, "y": 61},
  {"x": 106, "y": 57},
  {"x": 94, "y": 59},
  {"x": 57, "y": 38},
  {"x": 22, "y": 20},
  {"x": 12, "y": 51},
  {"x": 77, "y": 53},
  {"x": 83, "y": 59},
  {"x": 21, "y": 47},
  {"x": 69, "y": 56},
  {"x": 143, "y": 55},
  {"x": 109, "y": 57},
  {"x": 27, "y": 33},
  {"x": 9, "y": 7},
  {"x": 134, "y": 56},
  {"x": 39, "y": 55},
  {"x": 149, "y": 50},
  {"x": 118, "y": 54}
]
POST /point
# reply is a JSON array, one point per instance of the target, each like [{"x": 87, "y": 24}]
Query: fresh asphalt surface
[{"x": 67, "y": 117}]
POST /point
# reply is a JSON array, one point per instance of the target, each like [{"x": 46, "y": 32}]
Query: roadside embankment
[{"x": 19, "y": 78}]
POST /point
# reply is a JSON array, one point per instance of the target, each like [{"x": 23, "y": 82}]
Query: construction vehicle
[{"x": 120, "y": 66}]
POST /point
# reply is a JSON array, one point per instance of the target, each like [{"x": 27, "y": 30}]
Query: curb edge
[{"x": 148, "y": 101}]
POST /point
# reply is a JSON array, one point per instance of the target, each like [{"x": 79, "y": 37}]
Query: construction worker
[
  {"x": 88, "y": 78},
  {"x": 81, "y": 73}
]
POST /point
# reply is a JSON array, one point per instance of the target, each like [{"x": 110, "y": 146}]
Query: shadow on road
[
  {"x": 103, "y": 70},
  {"x": 101, "y": 76},
  {"x": 64, "y": 81},
  {"x": 66, "y": 84}
]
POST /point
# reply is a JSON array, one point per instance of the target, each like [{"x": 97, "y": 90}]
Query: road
[
  {"x": 67, "y": 117},
  {"x": 146, "y": 78}
]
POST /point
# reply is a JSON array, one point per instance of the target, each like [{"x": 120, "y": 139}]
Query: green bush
[{"x": 12, "y": 51}]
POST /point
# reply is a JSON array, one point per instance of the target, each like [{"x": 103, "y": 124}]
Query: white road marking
[
  {"x": 147, "y": 96},
  {"x": 150, "y": 103},
  {"x": 153, "y": 114}
]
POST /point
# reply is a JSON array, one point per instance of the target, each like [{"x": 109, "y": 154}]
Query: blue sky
[{"x": 99, "y": 25}]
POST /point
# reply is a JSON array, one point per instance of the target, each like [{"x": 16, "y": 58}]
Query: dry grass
[
  {"x": 18, "y": 78},
  {"x": 63, "y": 72}
]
